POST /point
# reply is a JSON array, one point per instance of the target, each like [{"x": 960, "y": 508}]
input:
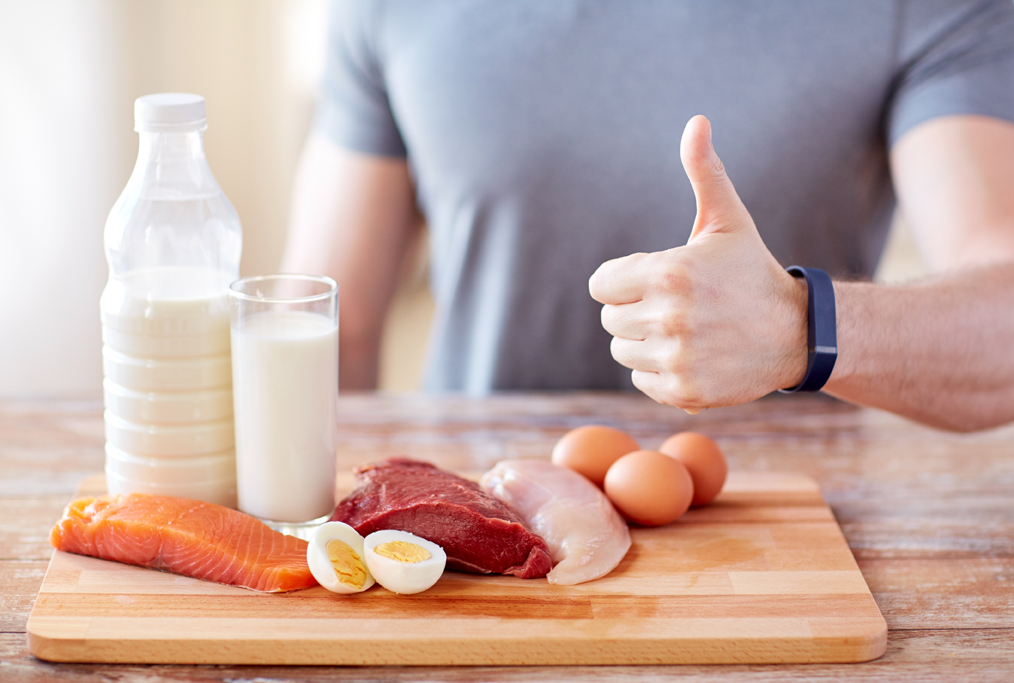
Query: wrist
[
  {"x": 793, "y": 368},
  {"x": 821, "y": 329},
  {"x": 843, "y": 296}
]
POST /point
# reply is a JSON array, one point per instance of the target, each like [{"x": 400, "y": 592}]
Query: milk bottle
[{"x": 173, "y": 244}]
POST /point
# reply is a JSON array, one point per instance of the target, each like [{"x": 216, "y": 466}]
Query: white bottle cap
[{"x": 169, "y": 112}]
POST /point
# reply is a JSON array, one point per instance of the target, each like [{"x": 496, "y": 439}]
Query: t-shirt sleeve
[
  {"x": 956, "y": 58},
  {"x": 354, "y": 109}
]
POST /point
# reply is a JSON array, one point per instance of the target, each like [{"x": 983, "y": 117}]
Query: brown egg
[
  {"x": 649, "y": 487},
  {"x": 591, "y": 449},
  {"x": 704, "y": 459}
]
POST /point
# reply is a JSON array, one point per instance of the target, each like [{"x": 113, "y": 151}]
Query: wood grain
[
  {"x": 923, "y": 511},
  {"x": 21, "y": 580},
  {"x": 761, "y": 575},
  {"x": 25, "y": 523}
]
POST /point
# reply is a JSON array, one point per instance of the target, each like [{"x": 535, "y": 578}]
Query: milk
[
  {"x": 285, "y": 392},
  {"x": 168, "y": 385},
  {"x": 173, "y": 243}
]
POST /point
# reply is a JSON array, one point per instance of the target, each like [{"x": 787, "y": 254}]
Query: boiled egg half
[
  {"x": 402, "y": 562},
  {"x": 335, "y": 555}
]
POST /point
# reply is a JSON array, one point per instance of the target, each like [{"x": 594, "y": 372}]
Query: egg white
[
  {"x": 320, "y": 565},
  {"x": 405, "y": 578}
]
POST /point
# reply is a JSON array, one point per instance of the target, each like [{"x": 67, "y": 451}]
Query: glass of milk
[{"x": 285, "y": 393}]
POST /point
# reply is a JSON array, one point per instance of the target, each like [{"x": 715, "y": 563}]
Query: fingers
[
  {"x": 625, "y": 321},
  {"x": 717, "y": 200},
  {"x": 619, "y": 281},
  {"x": 651, "y": 355},
  {"x": 647, "y": 383},
  {"x": 663, "y": 389},
  {"x": 634, "y": 354}
]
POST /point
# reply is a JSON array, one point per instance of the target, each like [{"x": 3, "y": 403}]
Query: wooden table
[{"x": 928, "y": 515}]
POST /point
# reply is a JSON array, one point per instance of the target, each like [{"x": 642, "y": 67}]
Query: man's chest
[{"x": 489, "y": 96}]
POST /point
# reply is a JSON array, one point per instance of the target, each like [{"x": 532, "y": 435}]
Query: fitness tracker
[{"x": 821, "y": 333}]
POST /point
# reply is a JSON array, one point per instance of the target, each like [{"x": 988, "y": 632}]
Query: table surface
[{"x": 928, "y": 515}]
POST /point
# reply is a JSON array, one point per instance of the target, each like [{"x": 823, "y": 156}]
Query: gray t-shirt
[{"x": 543, "y": 139}]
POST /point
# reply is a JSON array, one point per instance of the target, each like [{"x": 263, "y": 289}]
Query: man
[{"x": 542, "y": 141}]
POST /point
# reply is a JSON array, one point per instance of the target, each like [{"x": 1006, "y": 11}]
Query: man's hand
[{"x": 716, "y": 322}]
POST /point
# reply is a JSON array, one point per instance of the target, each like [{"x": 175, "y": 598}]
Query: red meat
[{"x": 479, "y": 533}]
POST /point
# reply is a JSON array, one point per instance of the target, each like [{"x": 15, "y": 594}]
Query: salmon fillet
[{"x": 187, "y": 537}]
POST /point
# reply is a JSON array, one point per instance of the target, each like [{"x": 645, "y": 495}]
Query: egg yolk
[
  {"x": 348, "y": 566},
  {"x": 403, "y": 551}
]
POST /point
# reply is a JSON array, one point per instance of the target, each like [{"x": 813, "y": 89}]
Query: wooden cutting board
[{"x": 763, "y": 575}]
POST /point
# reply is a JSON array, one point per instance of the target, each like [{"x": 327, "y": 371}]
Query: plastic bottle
[{"x": 173, "y": 244}]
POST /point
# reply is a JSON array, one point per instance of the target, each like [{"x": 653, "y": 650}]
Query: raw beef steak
[{"x": 479, "y": 533}]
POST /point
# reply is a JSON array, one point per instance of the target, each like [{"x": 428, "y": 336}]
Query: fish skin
[
  {"x": 188, "y": 537},
  {"x": 587, "y": 538}
]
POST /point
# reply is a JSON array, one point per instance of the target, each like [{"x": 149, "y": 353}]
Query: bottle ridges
[{"x": 168, "y": 388}]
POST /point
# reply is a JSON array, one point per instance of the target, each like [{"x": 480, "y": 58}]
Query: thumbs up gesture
[{"x": 716, "y": 322}]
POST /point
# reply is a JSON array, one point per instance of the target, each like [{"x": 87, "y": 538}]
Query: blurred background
[{"x": 69, "y": 73}]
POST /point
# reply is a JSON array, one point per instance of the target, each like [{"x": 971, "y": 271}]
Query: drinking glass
[{"x": 285, "y": 393}]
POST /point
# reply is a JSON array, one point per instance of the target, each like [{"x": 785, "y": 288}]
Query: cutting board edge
[{"x": 856, "y": 648}]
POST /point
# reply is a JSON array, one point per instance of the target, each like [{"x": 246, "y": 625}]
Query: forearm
[
  {"x": 353, "y": 218},
  {"x": 940, "y": 352},
  {"x": 358, "y": 362}
]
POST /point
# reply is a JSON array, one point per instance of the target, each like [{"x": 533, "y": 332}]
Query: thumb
[{"x": 719, "y": 208}]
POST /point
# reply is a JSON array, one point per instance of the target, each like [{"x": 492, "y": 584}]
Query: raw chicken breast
[{"x": 587, "y": 538}]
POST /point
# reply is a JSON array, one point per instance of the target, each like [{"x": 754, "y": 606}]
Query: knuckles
[
  {"x": 674, "y": 323},
  {"x": 673, "y": 278},
  {"x": 676, "y": 363},
  {"x": 681, "y": 391}
]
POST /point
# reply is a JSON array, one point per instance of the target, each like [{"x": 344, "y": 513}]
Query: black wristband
[{"x": 821, "y": 333}]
